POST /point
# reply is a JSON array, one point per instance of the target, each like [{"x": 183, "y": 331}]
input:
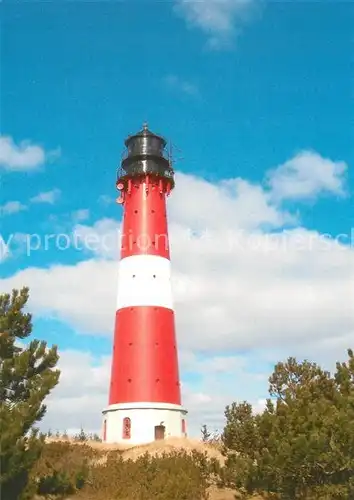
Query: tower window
[
  {"x": 104, "y": 430},
  {"x": 183, "y": 426},
  {"x": 126, "y": 428}
]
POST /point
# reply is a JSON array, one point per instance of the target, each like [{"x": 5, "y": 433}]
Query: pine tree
[
  {"x": 302, "y": 445},
  {"x": 81, "y": 436},
  {"x": 27, "y": 376},
  {"x": 206, "y": 435}
]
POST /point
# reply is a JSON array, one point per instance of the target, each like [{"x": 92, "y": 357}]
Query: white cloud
[
  {"x": 306, "y": 176},
  {"x": 81, "y": 215},
  {"x": 176, "y": 83},
  {"x": 72, "y": 405},
  {"x": 220, "y": 19},
  {"x": 6, "y": 250},
  {"x": 104, "y": 199},
  {"x": 236, "y": 286},
  {"x": 24, "y": 156},
  {"x": 231, "y": 203},
  {"x": 62, "y": 281},
  {"x": 12, "y": 207},
  {"x": 47, "y": 197},
  {"x": 102, "y": 239},
  {"x": 241, "y": 284}
]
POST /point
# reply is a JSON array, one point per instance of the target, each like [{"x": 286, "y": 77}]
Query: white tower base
[{"x": 143, "y": 423}]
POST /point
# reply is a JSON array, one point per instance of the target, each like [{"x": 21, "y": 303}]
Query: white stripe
[
  {"x": 143, "y": 421},
  {"x": 144, "y": 280},
  {"x": 144, "y": 405}
]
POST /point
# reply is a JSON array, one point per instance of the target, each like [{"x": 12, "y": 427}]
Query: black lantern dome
[{"x": 145, "y": 155}]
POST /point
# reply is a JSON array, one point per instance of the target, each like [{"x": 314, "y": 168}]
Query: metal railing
[{"x": 162, "y": 154}]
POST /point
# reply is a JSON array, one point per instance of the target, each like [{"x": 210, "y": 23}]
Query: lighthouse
[{"x": 145, "y": 392}]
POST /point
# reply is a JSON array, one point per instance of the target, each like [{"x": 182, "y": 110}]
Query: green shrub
[
  {"x": 76, "y": 469},
  {"x": 302, "y": 445},
  {"x": 172, "y": 476},
  {"x": 62, "y": 469}
]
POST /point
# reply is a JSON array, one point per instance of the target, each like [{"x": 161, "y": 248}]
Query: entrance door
[{"x": 159, "y": 432}]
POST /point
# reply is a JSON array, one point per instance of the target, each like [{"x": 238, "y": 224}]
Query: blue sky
[{"x": 78, "y": 77}]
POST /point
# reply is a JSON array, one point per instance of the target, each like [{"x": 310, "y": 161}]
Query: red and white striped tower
[{"x": 144, "y": 395}]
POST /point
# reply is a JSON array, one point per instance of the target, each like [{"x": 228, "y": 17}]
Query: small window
[
  {"x": 104, "y": 430},
  {"x": 126, "y": 428},
  {"x": 183, "y": 426}
]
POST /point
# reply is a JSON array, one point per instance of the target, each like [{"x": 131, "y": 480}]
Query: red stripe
[
  {"x": 145, "y": 230},
  {"x": 145, "y": 360}
]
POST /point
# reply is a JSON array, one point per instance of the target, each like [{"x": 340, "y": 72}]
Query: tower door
[{"x": 159, "y": 432}]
